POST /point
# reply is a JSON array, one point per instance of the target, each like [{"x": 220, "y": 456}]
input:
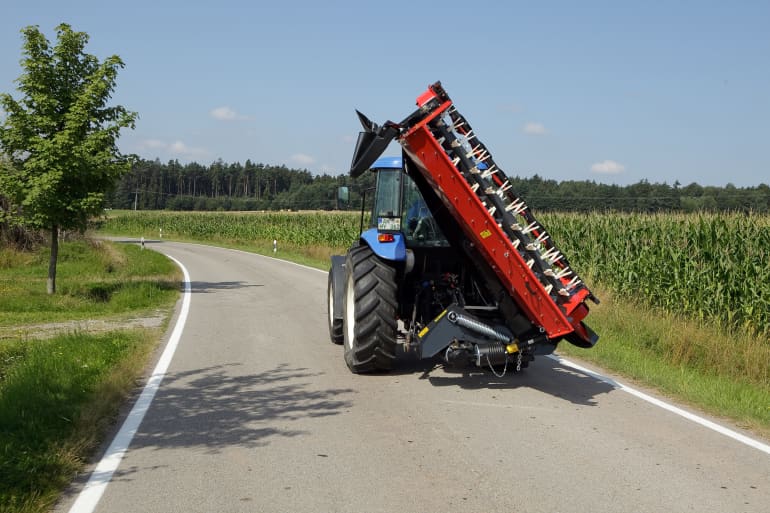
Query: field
[{"x": 711, "y": 267}]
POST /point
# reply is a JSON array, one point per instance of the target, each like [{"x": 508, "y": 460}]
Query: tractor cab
[{"x": 400, "y": 215}]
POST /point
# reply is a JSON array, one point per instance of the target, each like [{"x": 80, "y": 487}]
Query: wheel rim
[{"x": 350, "y": 317}]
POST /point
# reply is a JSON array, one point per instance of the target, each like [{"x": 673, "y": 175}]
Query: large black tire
[
  {"x": 335, "y": 324},
  {"x": 369, "y": 312}
]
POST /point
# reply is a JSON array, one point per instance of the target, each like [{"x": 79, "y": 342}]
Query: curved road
[{"x": 258, "y": 412}]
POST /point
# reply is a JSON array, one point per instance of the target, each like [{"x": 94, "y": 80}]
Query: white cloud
[
  {"x": 181, "y": 149},
  {"x": 152, "y": 144},
  {"x": 302, "y": 159},
  {"x": 608, "y": 167},
  {"x": 176, "y": 148},
  {"x": 534, "y": 129},
  {"x": 226, "y": 114}
]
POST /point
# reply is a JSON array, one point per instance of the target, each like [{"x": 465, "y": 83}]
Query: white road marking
[
  {"x": 102, "y": 474},
  {"x": 669, "y": 407}
]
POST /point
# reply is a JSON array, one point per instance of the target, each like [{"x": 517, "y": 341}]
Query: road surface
[{"x": 258, "y": 412}]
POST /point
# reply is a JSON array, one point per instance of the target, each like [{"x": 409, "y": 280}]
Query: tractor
[{"x": 454, "y": 265}]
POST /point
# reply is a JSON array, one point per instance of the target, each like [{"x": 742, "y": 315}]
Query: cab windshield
[{"x": 419, "y": 226}]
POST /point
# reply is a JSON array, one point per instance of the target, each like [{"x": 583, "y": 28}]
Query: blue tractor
[
  {"x": 453, "y": 263},
  {"x": 364, "y": 304}
]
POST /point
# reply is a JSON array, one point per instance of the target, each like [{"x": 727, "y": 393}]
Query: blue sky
[{"x": 615, "y": 92}]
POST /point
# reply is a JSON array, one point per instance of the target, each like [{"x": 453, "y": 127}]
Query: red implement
[{"x": 477, "y": 193}]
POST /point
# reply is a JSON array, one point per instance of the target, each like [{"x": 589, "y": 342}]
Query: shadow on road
[
  {"x": 546, "y": 375},
  {"x": 206, "y": 286},
  {"x": 215, "y": 407}
]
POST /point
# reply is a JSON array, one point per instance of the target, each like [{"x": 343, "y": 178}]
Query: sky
[{"x": 610, "y": 91}]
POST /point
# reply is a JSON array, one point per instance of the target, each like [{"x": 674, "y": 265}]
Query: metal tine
[
  {"x": 549, "y": 288},
  {"x": 475, "y": 187},
  {"x": 574, "y": 282},
  {"x": 474, "y": 170},
  {"x": 564, "y": 292},
  {"x": 551, "y": 252},
  {"x": 503, "y": 189},
  {"x": 456, "y": 161},
  {"x": 516, "y": 243},
  {"x": 553, "y": 255},
  {"x": 473, "y": 151},
  {"x": 489, "y": 172},
  {"x": 492, "y": 210},
  {"x": 533, "y": 246},
  {"x": 533, "y": 226},
  {"x": 517, "y": 207},
  {"x": 530, "y": 263},
  {"x": 515, "y": 227}
]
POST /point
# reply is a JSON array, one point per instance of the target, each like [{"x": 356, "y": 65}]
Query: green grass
[
  {"x": 94, "y": 279},
  {"x": 59, "y": 395}
]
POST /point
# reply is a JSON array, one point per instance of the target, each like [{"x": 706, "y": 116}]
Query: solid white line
[
  {"x": 100, "y": 478},
  {"x": 669, "y": 407}
]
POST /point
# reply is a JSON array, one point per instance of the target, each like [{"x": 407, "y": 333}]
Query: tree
[{"x": 60, "y": 137}]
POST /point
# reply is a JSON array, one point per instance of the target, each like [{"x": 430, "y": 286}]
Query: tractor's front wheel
[{"x": 369, "y": 312}]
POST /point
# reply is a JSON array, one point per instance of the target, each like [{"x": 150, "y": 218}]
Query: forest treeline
[{"x": 153, "y": 185}]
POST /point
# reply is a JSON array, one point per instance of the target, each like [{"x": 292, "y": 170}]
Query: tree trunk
[{"x": 51, "y": 283}]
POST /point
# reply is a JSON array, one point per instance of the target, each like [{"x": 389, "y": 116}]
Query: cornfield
[
  {"x": 332, "y": 229},
  {"x": 707, "y": 266}
]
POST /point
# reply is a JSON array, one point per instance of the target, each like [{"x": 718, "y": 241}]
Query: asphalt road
[{"x": 258, "y": 412}]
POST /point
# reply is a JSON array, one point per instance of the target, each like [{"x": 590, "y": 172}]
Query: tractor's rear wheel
[
  {"x": 335, "y": 324},
  {"x": 369, "y": 312}
]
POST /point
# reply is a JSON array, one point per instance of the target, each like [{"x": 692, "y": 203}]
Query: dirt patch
[{"x": 48, "y": 330}]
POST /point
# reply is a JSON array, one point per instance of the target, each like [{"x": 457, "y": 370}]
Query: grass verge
[
  {"x": 94, "y": 279},
  {"x": 59, "y": 394},
  {"x": 57, "y": 399}
]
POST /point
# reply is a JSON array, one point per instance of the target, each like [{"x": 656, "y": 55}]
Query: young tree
[{"x": 59, "y": 139}]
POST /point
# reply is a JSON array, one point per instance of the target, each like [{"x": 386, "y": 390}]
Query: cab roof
[{"x": 388, "y": 163}]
